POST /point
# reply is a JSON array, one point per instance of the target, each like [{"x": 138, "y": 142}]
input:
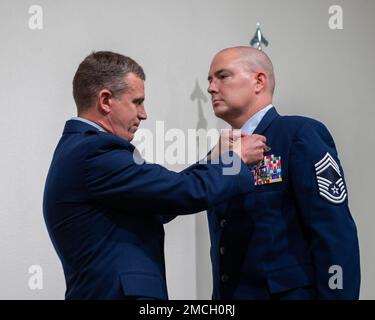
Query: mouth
[
  {"x": 135, "y": 127},
  {"x": 215, "y": 102}
]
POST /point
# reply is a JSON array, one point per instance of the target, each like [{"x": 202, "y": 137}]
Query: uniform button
[
  {"x": 222, "y": 250},
  {"x": 223, "y": 222},
  {"x": 224, "y": 277}
]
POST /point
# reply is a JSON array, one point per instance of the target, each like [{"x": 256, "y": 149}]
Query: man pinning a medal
[{"x": 294, "y": 237}]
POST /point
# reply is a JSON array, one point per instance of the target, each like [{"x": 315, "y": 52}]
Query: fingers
[
  {"x": 259, "y": 137},
  {"x": 233, "y": 134},
  {"x": 244, "y": 134},
  {"x": 261, "y": 146},
  {"x": 256, "y": 140},
  {"x": 236, "y": 134},
  {"x": 254, "y": 137}
]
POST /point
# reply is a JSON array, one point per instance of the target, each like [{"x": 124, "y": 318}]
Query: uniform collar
[
  {"x": 251, "y": 124},
  {"x": 266, "y": 120},
  {"x": 74, "y": 126},
  {"x": 89, "y": 122}
]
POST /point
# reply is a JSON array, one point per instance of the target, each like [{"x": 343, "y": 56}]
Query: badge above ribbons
[
  {"x": 267, "y": 171},
  {"x": 330, "y": 182}
]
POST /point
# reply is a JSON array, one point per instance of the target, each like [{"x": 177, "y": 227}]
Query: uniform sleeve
[
  {"x": 115, "y": 179},
  {"x": 322, "y": 198}
]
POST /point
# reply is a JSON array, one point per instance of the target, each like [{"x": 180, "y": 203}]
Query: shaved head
[
  {"x": 241, "y": 83},
  {"x": 255, "y": 61}
]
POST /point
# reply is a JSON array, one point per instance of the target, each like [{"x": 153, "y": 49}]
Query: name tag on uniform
[{"x": 267, "y": 171}]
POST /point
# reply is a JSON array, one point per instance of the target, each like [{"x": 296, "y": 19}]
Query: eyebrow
[{"x": 139, "y": 100}]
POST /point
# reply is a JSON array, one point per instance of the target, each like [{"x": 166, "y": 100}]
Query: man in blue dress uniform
[
  {"x": 103, "y": 207},
  {"x": 294, "y": 237}
]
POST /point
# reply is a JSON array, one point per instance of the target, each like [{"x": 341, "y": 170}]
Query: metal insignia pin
[{"x": 267, "y": 149}]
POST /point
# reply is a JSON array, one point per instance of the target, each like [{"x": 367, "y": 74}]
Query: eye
[
  {"x": 138, "y": 102},
  {"x": 223, "y": 76}
]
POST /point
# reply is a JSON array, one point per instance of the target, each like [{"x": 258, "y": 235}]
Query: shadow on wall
[
  {"x": 203, "y": 267},
  {"x": 199, "y": 96}
]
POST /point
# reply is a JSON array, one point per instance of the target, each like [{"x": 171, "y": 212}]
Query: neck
[
  {"x": 100, "y": 121},
  {"x": 239, "y": 121}
]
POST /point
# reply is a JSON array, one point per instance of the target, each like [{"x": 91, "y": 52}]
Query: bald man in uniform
[{"x": 294, "y": 237}]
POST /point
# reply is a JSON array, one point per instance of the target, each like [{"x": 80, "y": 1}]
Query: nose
[
  {"x": 212, "y": 87},
  {"x": 142, "y": 115}
]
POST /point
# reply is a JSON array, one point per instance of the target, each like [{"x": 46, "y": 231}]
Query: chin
[
  {"x": 220, "y": 113},
  {"x": 127, "y": 136}
]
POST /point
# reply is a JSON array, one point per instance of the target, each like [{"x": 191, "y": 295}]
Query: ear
[
  {"x": 261, "y": 79},
  {"x": 105, "y": 98}
]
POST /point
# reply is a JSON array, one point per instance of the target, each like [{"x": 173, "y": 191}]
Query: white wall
[{"x": 320, "y": 73}]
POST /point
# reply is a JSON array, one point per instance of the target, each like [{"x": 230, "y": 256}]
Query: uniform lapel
[{"x": 266, "y": 121}]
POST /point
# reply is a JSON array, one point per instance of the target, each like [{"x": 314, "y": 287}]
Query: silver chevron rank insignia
[{"x": 330, "y": 182}]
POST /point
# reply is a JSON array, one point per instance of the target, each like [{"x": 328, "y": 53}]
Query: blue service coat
[
  {"x": 103, "y": 212},
  {"x": 290, "y": 235}
]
